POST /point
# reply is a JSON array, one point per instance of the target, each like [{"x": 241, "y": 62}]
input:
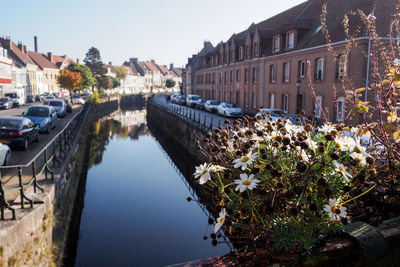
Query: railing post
[
  {"x": 55, "y": 159},
  {"x": 35, "y": 184},
  {"x": 45, "y": 162},
  {"x": 211, "y": 123},
  {"x": 21, "y": 190},
  {"x": 3, "y": 201}
]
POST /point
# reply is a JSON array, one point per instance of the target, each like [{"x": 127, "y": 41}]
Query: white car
[
  {"x": 211, "y": 105},
  {"x": 175, "y": 97},
  {"x": 5, "y": 154},
  {"x": 18, "y": 101},
  {"x": 192, "y": 100},
  {"x": 272, "y": 113},
  {"x": 78, "y": 100},
  {"x": 229, "y": 110}
]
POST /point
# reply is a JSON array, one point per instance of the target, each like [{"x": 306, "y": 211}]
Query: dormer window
[
  {"x": 248, "y": 51},
  {"x": 233, "y": 56},
  {"x": 290, "y": 38},
  {"x": 240, "y": 53},
  {"x": 277, "y": 43},
  {"x": 255, "y": 49}
]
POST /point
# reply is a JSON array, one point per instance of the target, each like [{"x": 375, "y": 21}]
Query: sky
[{"x": 168, "y": 31}]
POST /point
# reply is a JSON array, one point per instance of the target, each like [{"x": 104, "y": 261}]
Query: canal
[{"x": 135, "y": 211}]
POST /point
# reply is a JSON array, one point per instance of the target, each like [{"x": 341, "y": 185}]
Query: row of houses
[
  {"x": 274, "y": 64},
  {"x": 26, "y": 72}
]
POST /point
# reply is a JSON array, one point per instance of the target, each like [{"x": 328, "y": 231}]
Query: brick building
[{"x": 271, "y": 63}]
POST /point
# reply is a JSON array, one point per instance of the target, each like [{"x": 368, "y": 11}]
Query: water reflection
[{"x": 135, "y": 212}]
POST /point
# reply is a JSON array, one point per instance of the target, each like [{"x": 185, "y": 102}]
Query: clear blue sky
[{"x": 164, "y": 30}]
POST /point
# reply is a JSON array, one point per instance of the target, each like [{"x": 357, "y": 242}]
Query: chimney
[
  {"x": 77, "y": 60},
  {"x": 171, "y": 66},
  {"x": 153, "y": 61},
  {"x": 20, "y": 46},
  {"x": 109, "y": 62},
  {"x": 24, "y": 49},
  {"x": 36, "y": 44},
  {"x": 133, "y": 59},
  {"x": 50, "y": 56}
]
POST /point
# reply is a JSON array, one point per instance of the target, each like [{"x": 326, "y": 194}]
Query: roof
[
  {"x": 23, "y": 58},
  {"x": 164, "y": 70},
  {"x": 152, "y": 66},
  {"x": 130, "y": 71},
  {"x": 60, "y": 60},
  {"x": 111, "y": 67},
  {"x": 41, "y": 60}
]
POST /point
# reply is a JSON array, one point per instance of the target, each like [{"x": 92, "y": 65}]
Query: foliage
[
  {"x": 121, "y": 72},
  {"x": 114, "y": 82},
  {"x": 95, "y": 98},
  {"x": 169, "y": 83},
  {"x": 94, "y": 63},
  {"x": 87, "y": 78},
  {"x": 104, "y": 81},
  {"x": 70, "y": 80}
]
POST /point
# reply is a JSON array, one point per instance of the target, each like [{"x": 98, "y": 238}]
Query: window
[
  {"x": 220, "y": 78},
  {"x": 272, "y": 100},
  {"x": 230, "y": 97},
  {"x": 286, "y": 72},
  {"x": 340, "y": 109},
  {"x": 341, "y": 68},
  {"x": 254, "y": 100},
  {"x": 290, "y": 40},
  {"x": 216, "y": 60},
  {"x": 248, "y": 54},
  {"x": 246, "y": 100},
  {"x": 272, "y": 73},
  {"x": 237, "y": 75},
  {"x": 213, "y": 78},
  {"x": 240, "y": 53},
  {"x": 255, "y": 49},
  {"x": 225, "y": 77},
  {"x": 318, "y": 106},
  {"x": 255, "y": 75},
  {"x": 319, "y": 73},
  {"x": 285, "y": 102},
  {"x": 225, "y": 96},
  {"x": 226, "y": 58},
  {"x": 302, "y": 69},
  {"x": 246, "y": 75},
  {"x": 277, "y": 43},
  {"x": 233, "y": 56},
  {"x": 231, "y": 77},
  {"x": 237, "y": 97}
]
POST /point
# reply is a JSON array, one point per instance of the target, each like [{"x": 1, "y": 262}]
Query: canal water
[{"x": 135, "y": 209}]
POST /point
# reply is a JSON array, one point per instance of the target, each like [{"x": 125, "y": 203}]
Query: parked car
[
  {"x": 59, "y": 106},
  {"x": 30, "y": 98},
  {"x": 85, "y": 95},
  {"x": 5, "y": 154},
  {"x": 182, "y": 100},
  {"x": 68, "y": 105},
  {"x": 47, "y": 99},
  {"x": 5, "y": 103},
  {"x": 211, "y": 105},
  {"x": 78, "y": 100},
  {"x": 38, "y": 98},
  {"x": 272, "y": 113},
  {"x": 229, "y": 110},
  {"x": 174, "y": 97},
  {"x": 201, "y": 104},
  {"x": 18, "y": 132},
  {"x": 192, "y": 100},
  {"x": 44, "y": 116},
  {"x": 294, "y": 119}
]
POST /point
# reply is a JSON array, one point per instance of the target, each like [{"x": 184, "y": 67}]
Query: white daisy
[
  {"x": 334, "y": 210},
  {"x": 326, "y": 128},
  {"x": 245, "y": 160},
  {"x": 220, "y": 220},
  {"x": 246, "y": 182},
  {"x": 345, "y": 143},
  {"x": 202, "y": 171},
  {"x": 343, "y": 170},
  {"x": 216, "y": 168}
]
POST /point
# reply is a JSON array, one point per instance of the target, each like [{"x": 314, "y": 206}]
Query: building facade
[
  {"x": 5, "y": 70},
  {"x": 284, "y": 62}
]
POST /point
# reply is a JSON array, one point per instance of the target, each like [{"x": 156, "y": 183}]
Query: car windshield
[
  {"x": 55, "y": 103},
  {"x": 10, "y": 124},
  {"x": 228, "y": 105},
  {"x": 203, "y": 100},
  {"x": 214, "y": 102},
  {"x": 3, "y": 100},
  {"x": 37, "y": 112},
  {"x": 195, "y": 97}
]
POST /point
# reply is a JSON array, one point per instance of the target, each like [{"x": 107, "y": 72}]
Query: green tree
[
  {"x": 115, "y": 82},
  {"x": 94, "y": 63},
  {"x": 170, "y": 83},
  {"x": 87, "y": 78},
  {"x": 121, "y": 72},
  {"x": 104, "y": 82}
]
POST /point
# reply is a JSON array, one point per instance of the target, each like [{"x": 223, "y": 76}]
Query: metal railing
[
  {"x": 188, "y": 115},
  {"x": 55, "y": 150}
]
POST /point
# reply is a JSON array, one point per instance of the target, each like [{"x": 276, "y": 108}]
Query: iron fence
[{"x": 49, "y": 157}]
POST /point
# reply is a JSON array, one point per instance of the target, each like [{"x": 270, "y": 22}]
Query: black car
[
  {"x": 30, "y": 99},
  {"x": 6, "y": 103},
  {"x": 68, "y": 105},
  {"x": 38, "y": 98},
  {"x": 201, "y": 104},
  {"x": 182, "y": 100},
  {"x": 18, "y": 132}
]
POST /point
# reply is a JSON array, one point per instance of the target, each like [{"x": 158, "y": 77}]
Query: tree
[
  {"x": 94, "y": 63},
  {"x": 121, "y": 72},
  {"x": 115, "y": 82},
  {"x": 70, "y": 80},
  {"x": 87, "y": 78},
  {"x": 170, "y": 83},
  {"x": 104, "y": 82}
]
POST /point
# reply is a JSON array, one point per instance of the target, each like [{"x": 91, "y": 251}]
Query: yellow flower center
[
  {"x": 203, "y": 172},
  {"x": 357, "y": 149},
  {"x": 246, "y": 182},
  {"x": 358, "y": 159},
  {"x": 245, "y": 159},
  {"x": 338, "y": 145},
  {"x": 333, "y": 209},
  {"x": 342, "y": 169},
  {"x": 221, "y": 220},
  {"x": 217, "y": 167}
]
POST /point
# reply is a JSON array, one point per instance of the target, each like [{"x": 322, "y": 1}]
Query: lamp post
[{"x": 298, "y": 106}]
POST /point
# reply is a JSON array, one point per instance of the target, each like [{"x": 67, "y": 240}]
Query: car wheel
[
  {"x": 7, "y": 158},
  {"x": 26, "y": 144}
]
